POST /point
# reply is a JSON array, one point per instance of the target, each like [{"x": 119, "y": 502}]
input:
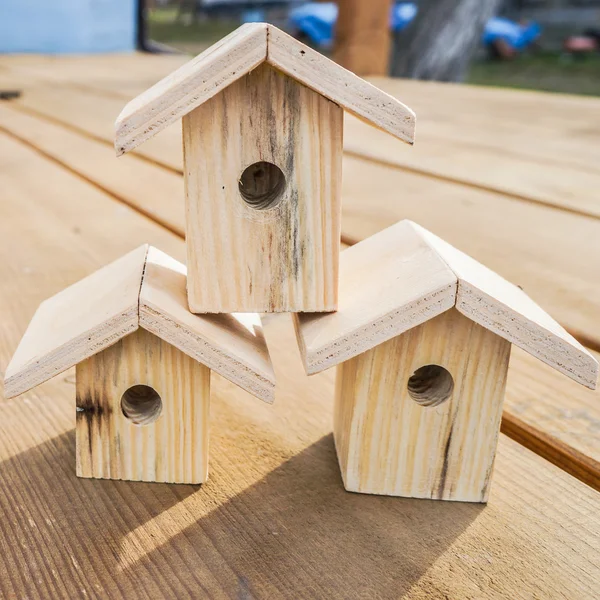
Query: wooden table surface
[{"x": 510, "y": 177}]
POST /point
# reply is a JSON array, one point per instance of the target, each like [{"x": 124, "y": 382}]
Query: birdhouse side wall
[
  {"x": 389, "y": 443},
  {"x": 278, "y": 252},
  {"x": 173, "y": 447}
]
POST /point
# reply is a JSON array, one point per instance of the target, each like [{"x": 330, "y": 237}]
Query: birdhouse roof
[
  {"x": 145, "y": 288},
  {"x": 404, "y": 276},
  {"x": 236, "y": 55}
]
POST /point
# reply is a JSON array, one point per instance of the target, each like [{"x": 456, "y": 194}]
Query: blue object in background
[
  {"x": 317, "y": 22},
  {"x": 254, "y": 15},
  {"x": 402, "y": 14},
  {"x": 514, "y": 34},
  {"x": 68, "y": 26}
]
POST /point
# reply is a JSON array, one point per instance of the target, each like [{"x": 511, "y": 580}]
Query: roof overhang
[
  {"x": 236, "y": 55},
  {"x": 405, "y": 275},
  {"x": 145, "y": 288}
]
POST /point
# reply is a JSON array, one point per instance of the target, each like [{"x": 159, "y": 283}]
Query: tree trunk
[
  {"x": 362, "y": 36},
  {"x": 442, "y": 39}
]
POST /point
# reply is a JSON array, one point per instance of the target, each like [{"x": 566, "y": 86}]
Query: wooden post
[
  {"x": 142, "y": 413},
  {"x": 362, "y": 36},
  {"x": 419, "y": 415},
  {"x": 263, "y": 175}
]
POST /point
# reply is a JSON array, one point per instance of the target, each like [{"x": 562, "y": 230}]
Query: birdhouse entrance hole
[
  {"x": 430, "y": 385},
  {"x": 261, "y": 185},
  {"x": 141, "y": 404}
]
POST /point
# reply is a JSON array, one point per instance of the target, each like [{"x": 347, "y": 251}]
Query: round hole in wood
[
  {"x": 430, "y": 385},
  {"x": 261, "y": 185},
  {"x": 141, "y": 404}
]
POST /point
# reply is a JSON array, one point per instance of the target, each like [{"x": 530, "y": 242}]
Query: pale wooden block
[
  {"x": 235, "y": 56},
  {"x": 383, "y": 271},
  {"x": 144, "y": 288},
  {"x": 78, "y": 322},
  {"x": 191, "y": 85},
  {"x": 232, "y": 345},
  {"x": 490, "y": 300},
  {"x": 389, "y": 283},
  {"x": 173, "y": 447},
  {"x": 357, "y": 96},
  {"x": 278, "y": 259},
  {"x": 389, "y": 444}
]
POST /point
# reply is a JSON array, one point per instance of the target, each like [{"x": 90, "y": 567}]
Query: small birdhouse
[
  {"x": 422, "y": 341},
  {"x": 262, "y": 140},
  {"x": 143, "y": 367}
]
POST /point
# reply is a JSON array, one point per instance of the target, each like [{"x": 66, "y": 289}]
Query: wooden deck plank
[
  {"x": 499, "y": 138},
  {"x": 553, "y": 255},
  {"x": 274, "y": 520},
  {"x": 559, "y": 419},
  {"x": 534, "y": 125},
  {"x": 490, "y": 227},
  {"x": 95, "y": 161},
  {"x": 535, "y": 146}
]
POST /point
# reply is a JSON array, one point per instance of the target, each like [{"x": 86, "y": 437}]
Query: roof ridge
[
  {"x": 425, "y": 235},
  {"x": 219, "y": 341},
  {"x": 232, "y": 57},
  {"x": 142, "y": 280},
  {"x": 493, "y": 302}
]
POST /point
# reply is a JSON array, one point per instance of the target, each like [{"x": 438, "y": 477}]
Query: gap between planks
[
  {"x": 567, "y": 458},
  {"x": 587, "y": 340},
  {"x": 469, "y": 184},
  {"x": 95, "y": 184},
  {"x": 552, "y": 449},
  {"x": 424, "y": 172}
]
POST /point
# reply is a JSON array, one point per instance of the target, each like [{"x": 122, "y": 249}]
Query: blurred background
[{"x": 552, "y": 45}]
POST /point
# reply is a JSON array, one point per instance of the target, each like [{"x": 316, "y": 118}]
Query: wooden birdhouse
[
  {"x": 143, "y": 367},
  {"x": 422, "y": 341},
  {"x": 262, "y": 140}
]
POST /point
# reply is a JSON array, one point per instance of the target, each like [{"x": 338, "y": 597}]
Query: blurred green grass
[
  {"x": 192, "y": 38},
  {"x": 550, "y": 72}
]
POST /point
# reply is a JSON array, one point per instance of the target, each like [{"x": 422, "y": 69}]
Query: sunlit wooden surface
[{"x": 509, "y": 177}]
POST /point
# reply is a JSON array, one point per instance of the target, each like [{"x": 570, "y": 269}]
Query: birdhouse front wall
[
  {"x": 262, "y": 166},
  {"x": 142, "y": 413},
  {"x": 419, "y": 415}
]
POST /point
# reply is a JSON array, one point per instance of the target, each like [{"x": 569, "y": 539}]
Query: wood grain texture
[
  {"x": 558, "y": 420},
  {"x": 535, "y": 146},
  {"x": 388, "y": 284},
  {"x": 191, "y": 85},
  {"x": 507, "y": 310},
  {"x": 529, "y": 245},
  {"x": 91, "y": 159},
  {"x": 389, "y": 444},
  {"x": 462, "y": 219},
  {"x": 526, "y": 241},
  {"x": 273, "y": 520},
  {"x": 283, "y": 258},
  {"x": 532, "y": 232},
  {"x": 144, "y": 288},
  {"x": 355, "y": 95},
  {"x": 513, "y": 137},
  {"x": 234, "y": 57},
  {"x": 431, "y": 277},
  {"x": 78, "y": 322},
  {"x": 172, "y": 448},
  {"x": 232, "y": 345}
]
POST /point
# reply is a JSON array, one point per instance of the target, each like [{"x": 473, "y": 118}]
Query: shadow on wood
[
  {"x": 314, "y": 539},
  {"x": 294, "y": 533}
]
